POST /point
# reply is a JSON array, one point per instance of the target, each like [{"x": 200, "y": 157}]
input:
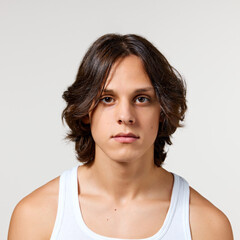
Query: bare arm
[
  {"x": 207, "y": 221},
  {"x": 34, "y": 216},
  {"x": 25, "y": 223}
]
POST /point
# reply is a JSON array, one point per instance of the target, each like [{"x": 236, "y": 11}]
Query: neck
[{"x": 124, "y": 181}]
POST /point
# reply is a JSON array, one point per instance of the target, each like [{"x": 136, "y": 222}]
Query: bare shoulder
[
  {"x": 206, "y": 220},
  {"x": 34, "y": 216}
]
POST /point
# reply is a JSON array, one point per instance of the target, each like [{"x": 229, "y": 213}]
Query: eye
[
  {"x": 106, "y": 99},
  {"x": 143, "y": 99},
  {"x": 140, "y": 99}
]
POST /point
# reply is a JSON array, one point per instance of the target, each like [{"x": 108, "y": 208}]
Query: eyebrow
[{"x": 147, "y": 89}]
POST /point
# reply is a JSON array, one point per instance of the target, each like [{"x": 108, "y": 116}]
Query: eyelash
[{"x": 148, "y": 99}]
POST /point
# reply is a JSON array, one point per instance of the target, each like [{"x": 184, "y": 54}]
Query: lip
[{"x": 125, "y": 137}]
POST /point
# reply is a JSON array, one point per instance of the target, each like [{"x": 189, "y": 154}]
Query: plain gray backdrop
[{"x": 41, "y": 46}]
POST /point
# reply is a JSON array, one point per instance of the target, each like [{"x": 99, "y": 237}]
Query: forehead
[{"x": 128, "y": 73}]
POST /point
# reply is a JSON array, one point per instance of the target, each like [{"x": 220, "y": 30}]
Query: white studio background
[{"x": 41, "y": 45}]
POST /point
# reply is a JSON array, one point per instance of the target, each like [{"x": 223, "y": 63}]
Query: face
[{"x": 124, "y": 124}]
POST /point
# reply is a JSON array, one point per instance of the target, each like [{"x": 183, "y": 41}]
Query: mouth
[{"x": 125, "y": 137}]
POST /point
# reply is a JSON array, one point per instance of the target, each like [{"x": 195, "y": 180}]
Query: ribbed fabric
[{"x": 69, "y": 224}]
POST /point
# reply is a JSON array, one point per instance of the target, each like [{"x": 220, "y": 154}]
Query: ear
[{"x": 85, "y": 119}]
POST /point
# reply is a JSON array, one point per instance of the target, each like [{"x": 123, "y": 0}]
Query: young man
[{"x": 122, "y": 109}]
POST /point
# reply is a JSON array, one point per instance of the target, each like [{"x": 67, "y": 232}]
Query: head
[{"x": 94, "y": 76}]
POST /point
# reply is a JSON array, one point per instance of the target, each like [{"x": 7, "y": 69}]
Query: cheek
[
  {"x": 153, "y": 125},
  {"x": 152, "y": 119},
  {"x": 151, "y": 130},
  {"x": 99, "y": 124}
]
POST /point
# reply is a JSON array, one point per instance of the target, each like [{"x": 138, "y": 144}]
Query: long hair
[{"x": 83, "y": 95}]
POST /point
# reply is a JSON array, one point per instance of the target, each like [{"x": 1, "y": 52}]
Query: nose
[{"x": 125, "y": 114}]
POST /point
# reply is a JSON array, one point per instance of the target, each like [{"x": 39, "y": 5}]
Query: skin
[
  {"x": 123, "y": 178},
  {"x": 121, "y": 169}
]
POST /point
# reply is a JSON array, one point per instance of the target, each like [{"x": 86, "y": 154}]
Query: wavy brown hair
[{"x": 83, "y": 95}]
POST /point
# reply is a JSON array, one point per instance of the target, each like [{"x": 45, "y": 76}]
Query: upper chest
[{"x": 140, "y": 219}]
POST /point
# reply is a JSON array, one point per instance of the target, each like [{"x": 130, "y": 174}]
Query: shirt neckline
[{"x": 161, "y": 232}]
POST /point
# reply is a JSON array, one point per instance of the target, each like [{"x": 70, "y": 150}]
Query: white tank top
[{"x": 69, "y": 224}]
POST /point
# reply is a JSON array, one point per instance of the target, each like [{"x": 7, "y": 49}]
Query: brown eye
[
  {"x": 143, "y": 99},
  {"x": 106, "y": 100}
]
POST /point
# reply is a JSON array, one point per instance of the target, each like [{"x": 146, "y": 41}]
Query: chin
[
  {"x": 122, "y": 161},
  {"x": 123, "y": 158}
]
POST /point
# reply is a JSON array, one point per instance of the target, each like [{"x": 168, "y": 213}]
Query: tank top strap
[
  {"x": 180, "y": 221},
  {"x": 61, "y": 203},
  {"x": 67, "y": 186},
  {"x": 185, "y": 195}
]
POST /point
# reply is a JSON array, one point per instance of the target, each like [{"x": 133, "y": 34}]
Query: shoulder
[
  {"x": 206, "y": 220},
  {"x": 34, "y": 216}
]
